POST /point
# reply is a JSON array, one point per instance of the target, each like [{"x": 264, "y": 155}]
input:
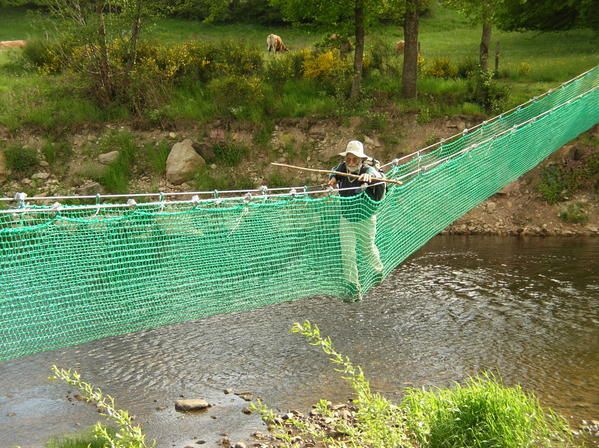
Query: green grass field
[{"x": 530, "y": 64}]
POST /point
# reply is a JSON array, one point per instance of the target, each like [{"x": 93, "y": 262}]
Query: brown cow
[
  {"x": 275, "y": 43},
  {"x": 341, "y": 42},
  {"x": 399, "y": 46},
  {"x": 12, "y": 43}
]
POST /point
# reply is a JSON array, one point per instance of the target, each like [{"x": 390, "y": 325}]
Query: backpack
[{"x": 380, "y": 190}]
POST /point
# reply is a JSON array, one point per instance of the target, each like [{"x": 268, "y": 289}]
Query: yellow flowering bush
[{"x": 442, "y": 68}]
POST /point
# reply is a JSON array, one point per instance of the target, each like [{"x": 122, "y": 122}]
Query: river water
[{"x": 526, "y": 309}]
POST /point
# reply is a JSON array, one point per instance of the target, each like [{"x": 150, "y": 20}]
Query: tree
[
  {"x": 480, "y": 11},
  {"x": 410, "y": 61},
  {"x": 548, "y": 15},
  {"x": 341, "y": 16}
]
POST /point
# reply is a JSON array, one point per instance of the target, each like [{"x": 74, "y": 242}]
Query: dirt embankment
[{"x": 519, "y": 209}]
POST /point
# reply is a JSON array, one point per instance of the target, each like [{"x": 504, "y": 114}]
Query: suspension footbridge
[{"x": 115, "y": 264}]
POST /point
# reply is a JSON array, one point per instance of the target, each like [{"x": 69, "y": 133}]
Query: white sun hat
[{"x": 356, "y": 148}]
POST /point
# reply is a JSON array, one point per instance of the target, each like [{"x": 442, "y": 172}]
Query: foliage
[
  {"x": 116, "y": 177},
  {"x": 580, "y": 170},
  {"x": 286, "y": 66},
  {"x": 57, "y": 154},
  {"x": 208, "y": 180},
  {"x": 230, "y": 153},
  {"x": 487, "y": 92},
  {"x": 86, "y": 439},
  {"x": 21, "y": 160},
  {"x": 476, "y": 10},
  {"x": 224, "y": 58},
  {"x": 553, "y": 185},
  {"x": 483, "y": 413},
  {"x": 385, "y": 58},
  {"x": 548, "y": 15},
  {"x": 235, "y": 96},
  {"x": 441, "y": 68},
  {"x": 212, "y": 11},
  {"x": 574, "y": 213},
  {"x": 328, "y": 68},
  {"x": 467, "y": 67},
  {"x": 48, "y": 56},
  {"x": 378, "y": 422},
  {"x": 127, "y": 435},
  {"x": 154, "y": 157}
]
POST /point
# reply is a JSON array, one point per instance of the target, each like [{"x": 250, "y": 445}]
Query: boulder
[
  {"x": 183, "y": 162},
  {"x": 41, "y": 175},
  {"x": 191, "y": 405},
  {"x": 108, "y": 157}
]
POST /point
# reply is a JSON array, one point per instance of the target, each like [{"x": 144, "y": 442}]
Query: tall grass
[
  {"x": 531, "y": 63},
  {"x": 483, "y": 413},
  {"x": 116, "y": 177}
]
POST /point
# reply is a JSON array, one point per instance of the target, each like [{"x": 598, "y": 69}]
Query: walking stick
[{"x": 337, "y": 173}]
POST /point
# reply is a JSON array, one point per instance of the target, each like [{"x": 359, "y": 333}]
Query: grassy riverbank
[{"x": 530, "y": 63}]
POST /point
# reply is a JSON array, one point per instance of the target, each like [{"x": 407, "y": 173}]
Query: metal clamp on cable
[
  {"x": 131, "y": 202},
  {"x": 293, "y": 192},
  {"x": 264, "y": 191},
  {"x": 20, "y": 198},
  {"x": 247, "y": 197},
  {"x": 395, "y": 162},
  {"x": 195, "y": 200},
  {"x": 161, "y": 200}
]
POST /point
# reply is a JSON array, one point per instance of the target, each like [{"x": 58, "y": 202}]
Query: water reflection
[{"x": 524, "y": 308}]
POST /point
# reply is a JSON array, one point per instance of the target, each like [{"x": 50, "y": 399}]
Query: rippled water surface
[{"x": 525, "y": 308}]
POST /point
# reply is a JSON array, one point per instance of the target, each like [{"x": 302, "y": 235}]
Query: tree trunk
[
  {"x": 485, "y": 43},
  {"x": 410, "y": 56},
  {"x": 104, "y": 66},
  {"x": 135, "y": 30},
  {"x": 359, "y": 53}
]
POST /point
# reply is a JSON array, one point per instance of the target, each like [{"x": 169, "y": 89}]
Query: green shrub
[
  {"x": 467, "y": 67},
  {"x": 487, "y": 92},
  {"x": 57, "y": 154},
  {"x": 48, "y": 56},
  {"x": 85, "y": 439},
  {"x": 155, "y": 155},
  {"x": 235, "y": 96},
  {"x": 378, "y": 422},
  {"x": 552, "y": 185},
  {"x": 126, "y": 435},
  {"x": 208, "y": 180},
  {"x": 285, "y": 66},
  {"x": 441, "y": 68},
  {"x": 574, "y": 214},
  {"x": 229, "y": 153},
  {"x": 116, "y": 177},
  {"x": 373, "y": 121},
  {"x": 21, "y": 160},
  {"x": 483, "y": 413},
  {"x": 384, "y": 58},
  {"x": 213, "y": 60},
  {"x": 332, "y": 72}
]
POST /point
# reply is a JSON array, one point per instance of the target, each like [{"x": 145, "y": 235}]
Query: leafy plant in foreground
[{"x": 127, "y": 435}]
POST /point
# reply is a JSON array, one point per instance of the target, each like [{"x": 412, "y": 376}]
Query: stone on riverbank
[{"x": 191, "y": 405}]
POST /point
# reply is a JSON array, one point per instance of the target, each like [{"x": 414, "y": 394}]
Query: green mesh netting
[{"x": 79, "y": 275}]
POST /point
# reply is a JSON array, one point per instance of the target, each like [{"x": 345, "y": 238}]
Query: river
[{"x": 526, "y": 309}]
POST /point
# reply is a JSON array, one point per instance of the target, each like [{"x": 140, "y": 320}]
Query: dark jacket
[{"x": 376, "y": 192}]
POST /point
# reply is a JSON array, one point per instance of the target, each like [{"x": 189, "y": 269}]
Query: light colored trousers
[{"x": 358, "y": 234}]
